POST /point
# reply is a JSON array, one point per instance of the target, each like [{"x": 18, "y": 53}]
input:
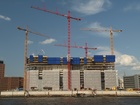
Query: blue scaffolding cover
[
  {"x": 110, "y": 58},
  {"x": 40, "y": 58},
  {"x": 53, "y": 60},
  {"x": 85, "y": 60},
  {"x": 65, "y": 60},
  {"x": 31, "y": 58},
  {"x": 75, "y": 60},
  {"x": 98, "y": 58}
]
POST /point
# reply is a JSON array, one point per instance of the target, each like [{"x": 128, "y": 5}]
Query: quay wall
[{"x": 69, "y": 93}]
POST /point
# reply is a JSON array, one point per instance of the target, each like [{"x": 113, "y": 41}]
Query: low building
[
  {"x": 132, "y": 81},
  {"x": 9, "y": 83}
]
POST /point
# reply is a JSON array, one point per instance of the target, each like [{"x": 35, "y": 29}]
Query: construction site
[
  {"x": 69, "y": 73},
  {"x": 51, "y": 73}
]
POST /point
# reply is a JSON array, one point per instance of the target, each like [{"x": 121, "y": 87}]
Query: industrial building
[
  {"x": 9, "y": 83},
  {"x": 51, "y": 73},
  {"x": 2, "y": 68},
  {"x": 132, "y": 81}
]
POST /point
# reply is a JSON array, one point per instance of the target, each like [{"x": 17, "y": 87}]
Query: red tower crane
[
  {"x": 105, "y": 30},
  {"x": 68, "y": 19},
  {"x": 82, "y": 47}
]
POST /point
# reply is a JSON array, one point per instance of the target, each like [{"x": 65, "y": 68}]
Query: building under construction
[{"x": 51, "y": 73}]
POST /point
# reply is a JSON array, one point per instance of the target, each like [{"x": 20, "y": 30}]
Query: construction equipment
[
  {"x": 68, "y": 18},
  {"x": 105, "y": 30},
  {"x": 75, "y": 46},
  {"x": 26, "y": 50}
]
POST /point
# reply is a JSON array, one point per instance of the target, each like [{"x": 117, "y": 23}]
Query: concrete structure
[
  {"x": 75, "y": 80},
  {"x": 50, "y": 79},
  {"x": 51, "y": 73},
  {"x": 92, "y": 79},
  {"x": 132, "y": 81},
  {"x": 111, "y": 80},
  {"x": 70, "y": 93}
]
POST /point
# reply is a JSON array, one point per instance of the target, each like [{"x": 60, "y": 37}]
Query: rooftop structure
[{"x": 98, "y": 62}]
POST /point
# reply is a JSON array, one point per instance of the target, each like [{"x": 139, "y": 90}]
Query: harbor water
[{"x": 105, "y": 100}]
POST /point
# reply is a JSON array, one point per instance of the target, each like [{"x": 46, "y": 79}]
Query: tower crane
[
  {"x": 68, "y": 19},
  {"x": 82, "y": 47},
  {"x": 26, "y": 50},
  {"x": 105, "y": 30}
]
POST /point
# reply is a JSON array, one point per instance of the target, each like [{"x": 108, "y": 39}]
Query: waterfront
[{"x": 105, "y": 100}]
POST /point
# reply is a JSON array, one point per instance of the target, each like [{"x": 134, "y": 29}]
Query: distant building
[
  {"x": 2, "y": 68},
  {"x": 120, "y": 83},
  {"x": 9, "y": 83},
  {"x": 132, "y": 81}
]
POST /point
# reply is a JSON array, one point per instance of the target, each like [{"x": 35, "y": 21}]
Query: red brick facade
[{"x": 9, "y": 83}]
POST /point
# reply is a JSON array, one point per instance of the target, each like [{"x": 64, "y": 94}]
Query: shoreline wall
[{"x": 69, "y": 93}]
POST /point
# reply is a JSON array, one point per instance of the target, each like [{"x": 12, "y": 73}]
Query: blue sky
[{"x": 100, "y": 14}]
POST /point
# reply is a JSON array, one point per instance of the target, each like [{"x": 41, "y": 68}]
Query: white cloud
[
  {"x": 122, "y": 60},
  {"x": 5, "y": 18},
  {"x": 90, "y": 7},
  {"x": 100, "y": 30},
  {"x": 97, "y": 25},
  {"x": 30, "y": 42},
  {"x": 48, "y": 41},
  {"x": 134, "y": 6},
  {"x": 126, "y": 60}
]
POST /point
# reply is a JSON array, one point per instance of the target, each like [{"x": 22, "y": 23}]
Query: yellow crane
[
  {"x": 105, "y": 30},
  {"x": 26, "y": 50}
]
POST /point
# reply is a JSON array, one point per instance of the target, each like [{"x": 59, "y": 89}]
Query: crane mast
[
  {"x": 25, "y": 57},
  {"x": 68, "y": 20},
  {"x": 111, "y": 41},
  {"x": 26, "y": 50}
]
